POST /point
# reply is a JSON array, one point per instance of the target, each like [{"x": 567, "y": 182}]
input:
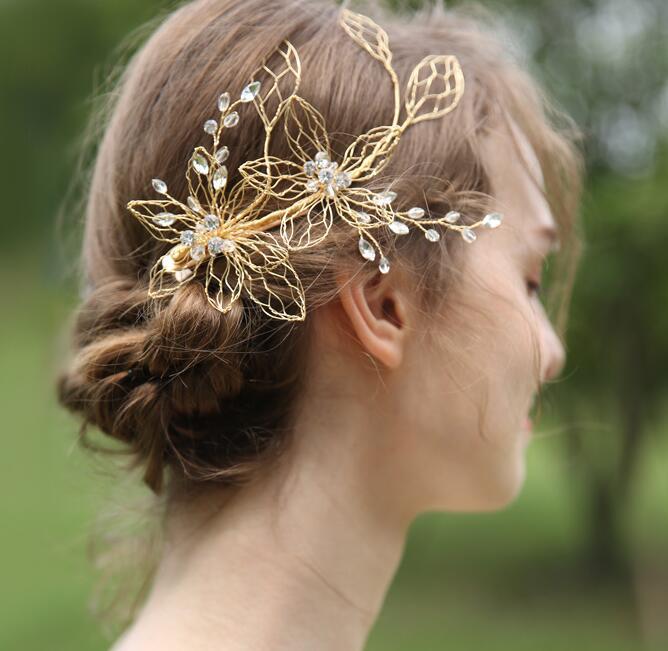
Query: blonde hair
[{"x": 216, "y": 398}]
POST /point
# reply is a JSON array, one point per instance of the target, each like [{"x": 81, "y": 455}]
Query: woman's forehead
[{"x": 517, "y": 179}]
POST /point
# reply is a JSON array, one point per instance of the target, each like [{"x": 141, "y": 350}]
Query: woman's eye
[{"x": 534, "y": 287}]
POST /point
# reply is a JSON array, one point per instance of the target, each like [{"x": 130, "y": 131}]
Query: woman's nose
[{"x": 555, "y": 357}]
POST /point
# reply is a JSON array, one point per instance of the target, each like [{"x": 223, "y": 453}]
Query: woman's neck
[{"x": 300, "y": 559}]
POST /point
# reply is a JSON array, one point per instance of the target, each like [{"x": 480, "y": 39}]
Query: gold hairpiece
[{"x": 230, "y": 231}]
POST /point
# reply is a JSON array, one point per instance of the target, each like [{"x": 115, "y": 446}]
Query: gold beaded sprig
[{"x": 246, "y": 247}]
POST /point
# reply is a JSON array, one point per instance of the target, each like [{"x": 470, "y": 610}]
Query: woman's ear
[{"x": 376, "y": 312}]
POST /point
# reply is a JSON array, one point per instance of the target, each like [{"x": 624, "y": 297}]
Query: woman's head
[{"x": 441, "y": 358}]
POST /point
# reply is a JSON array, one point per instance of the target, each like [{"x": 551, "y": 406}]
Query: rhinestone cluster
[
  {"x": 323, "y": 175},
  {"x": 204, "y": 238}
]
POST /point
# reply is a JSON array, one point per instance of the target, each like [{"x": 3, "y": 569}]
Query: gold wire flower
[{"x": 231, "y": 231}]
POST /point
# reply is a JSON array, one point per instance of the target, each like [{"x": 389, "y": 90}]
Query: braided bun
[{"x": 169, "y": 384}]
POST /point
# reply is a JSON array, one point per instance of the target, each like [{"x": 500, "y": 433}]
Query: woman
[{"x": 296, "y": 414}]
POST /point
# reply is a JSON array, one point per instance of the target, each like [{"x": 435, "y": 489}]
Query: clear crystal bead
[
  {"x": 325, "y": 175},
  {"x": 221, "y": 245},
  {"x": 248, "y": 94},
  {"x": 384, "y": 265},
  {"x": 223, "y": 102},
  {"x": 309, "y": 168},
  {"x": 432, "y": 235},
  {"x": 312, "y": 185},
  {"x": 363, "y": 217},
  {"x": 397, "y": 227},
  {"x": 342, "y": 180},
  {"x": 384, "y": 198},
  {"x": 211, "y": 126},
  {"x": 322, "y": 164},
  {"x": 211, "y": 222},
  {"x": 492, "y": 220},
  {"x": 220, "y": 177},
  {"x": 164, "y": 219},
  {"x": 231, "y": 119},
  {"x": 159, "y": 186},
  {"x": 197, "y": 252},
  {"x": 200, "y": 164},
  {"x": 416, "y": 212},
  {"x": 452, "y": 217},
  {"x": 321, "y": 156},
  {"x": 366, "y": 250},
  {"x": 187, "y": 238},
  {"x": 468, "y": 235},
  {"x": 200, "y": 228},
  {"x": 183, "y": 274},
  {"x": 215, "y": 245},
  {"x": 222, "y": 154},
  {"x": 193, "y": 204}
]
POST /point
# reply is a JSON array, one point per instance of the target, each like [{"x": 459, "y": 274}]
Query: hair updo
[{"x": 207, "y": 396}]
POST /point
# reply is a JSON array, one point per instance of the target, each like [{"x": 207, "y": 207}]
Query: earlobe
[{"x": 377, "y": 316}]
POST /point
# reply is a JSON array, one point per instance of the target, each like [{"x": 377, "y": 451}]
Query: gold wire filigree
[{"x": 231, "y": 232}]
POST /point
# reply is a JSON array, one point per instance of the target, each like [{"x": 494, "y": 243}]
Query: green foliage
[{"x": 55, "y": 57}]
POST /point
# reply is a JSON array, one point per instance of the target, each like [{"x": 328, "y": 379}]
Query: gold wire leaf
[
  {"x": 260, "y": 250},
  {"x": 223, "y": 287},
  {"x": 303, "y": 230},
  {"x": 434, "y": 88},
  {"x": 162, "y": 217},
  {"x": 370, "y": 151},
  {"x": 366, "y": 33},
  {"x": 305, "y": 129},
  {"x": 289, "y": 304},
  {"x": 269, "y": 279},
  {"x": 283, "y": 179},
  {"x": 277, "y": 92}
]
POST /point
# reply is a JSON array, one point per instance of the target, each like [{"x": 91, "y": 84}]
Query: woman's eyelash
[{"x": 534, "y": 287}]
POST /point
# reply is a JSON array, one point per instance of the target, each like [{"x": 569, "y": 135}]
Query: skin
[{"x": 403, "y": 413}]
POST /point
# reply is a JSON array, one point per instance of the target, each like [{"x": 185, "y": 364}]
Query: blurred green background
[{"x": 580, "y": 560}]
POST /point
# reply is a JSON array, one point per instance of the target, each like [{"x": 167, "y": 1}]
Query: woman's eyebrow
[{"x": 549, "y": 233}]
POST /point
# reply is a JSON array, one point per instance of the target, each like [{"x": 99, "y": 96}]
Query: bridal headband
[{"x": 243, "y": 234}]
